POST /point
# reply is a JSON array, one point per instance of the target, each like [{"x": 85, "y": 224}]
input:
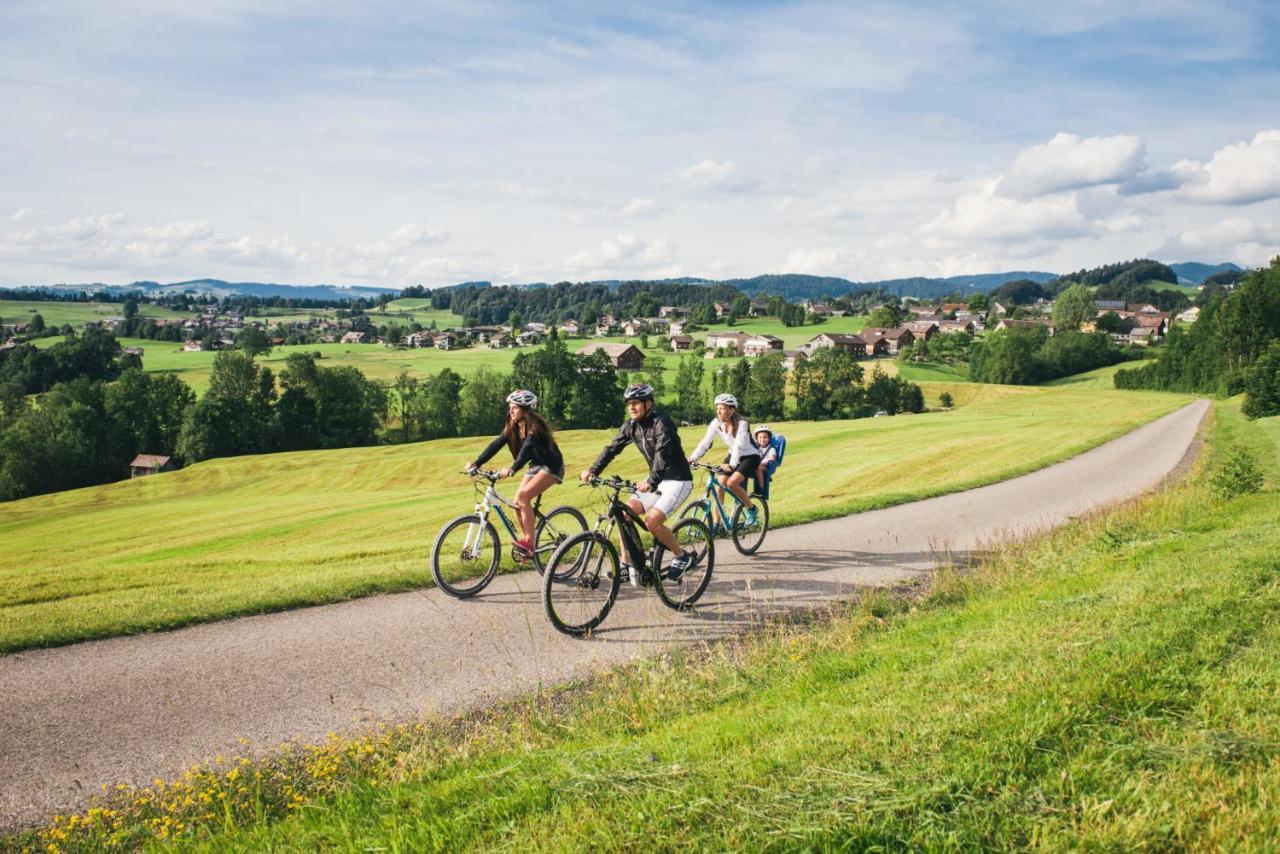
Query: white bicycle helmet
[
  {"x": 727, "y": 400},
  {"x": 638, "y": 391},
  {"x": 523, "y": 397},
  {"x": 764, "y": 428}
]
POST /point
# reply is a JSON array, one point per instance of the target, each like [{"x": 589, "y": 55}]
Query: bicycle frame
[
  {"x": 621, "y": 514},
  {"x": 491, "y": 500},
  {"x": 712, "y": 491}
]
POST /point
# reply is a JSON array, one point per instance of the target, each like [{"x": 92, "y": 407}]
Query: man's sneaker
[
  {"x": 624, "y": 572},
  {"x": 679, "y": 566}
]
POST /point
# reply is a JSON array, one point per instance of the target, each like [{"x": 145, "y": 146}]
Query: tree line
[{"x": 1233, "y": 347}]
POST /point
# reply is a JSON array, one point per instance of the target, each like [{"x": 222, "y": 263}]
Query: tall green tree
[
  {"x": 767, "y": 392},
  {"x": 483, "y": 405},
  {"x": 691, "y": 400},
  {"x": 1073, "y": 307}
]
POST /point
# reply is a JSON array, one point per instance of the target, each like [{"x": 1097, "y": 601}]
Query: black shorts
[{"x": 746, "y": 466}]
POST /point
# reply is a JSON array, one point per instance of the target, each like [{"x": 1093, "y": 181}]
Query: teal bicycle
[{"x": 747, "y": 533}]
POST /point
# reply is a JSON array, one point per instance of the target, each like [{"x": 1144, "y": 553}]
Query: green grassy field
[
  {"x": 1097, "y": 378},
  {"x": 1114, "y": 685},
  {"x": 75, "y": 313},
  {"x": 250, "y": 534}
]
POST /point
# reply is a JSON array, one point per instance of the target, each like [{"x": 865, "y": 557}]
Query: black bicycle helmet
[{"x": 638, "y": 391}]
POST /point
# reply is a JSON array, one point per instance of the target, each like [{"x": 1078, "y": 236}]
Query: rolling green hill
[{"x": 243, "y": 535}]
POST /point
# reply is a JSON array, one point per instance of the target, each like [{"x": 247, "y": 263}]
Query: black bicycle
[
  {"x": 465, "y": 555},
  {"x": 584, "y": 573}
]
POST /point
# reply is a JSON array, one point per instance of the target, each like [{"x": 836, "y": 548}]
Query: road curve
[{"x": 136, "y": 708}]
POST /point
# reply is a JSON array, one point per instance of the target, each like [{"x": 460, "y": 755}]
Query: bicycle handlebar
[
  {"x": 487, "y": 474},
  {"x": 616, "y": 483}
]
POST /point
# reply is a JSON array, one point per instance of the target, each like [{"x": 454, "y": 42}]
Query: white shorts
[{"x": 667, "y": 496}]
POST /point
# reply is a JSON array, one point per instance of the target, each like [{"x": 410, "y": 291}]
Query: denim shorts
[{"x": 558, "y": 475}]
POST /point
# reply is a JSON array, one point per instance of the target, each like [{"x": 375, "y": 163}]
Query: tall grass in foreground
[
  {"x": 252, "y": 534},
  {"x": 1113, "y": 685}
]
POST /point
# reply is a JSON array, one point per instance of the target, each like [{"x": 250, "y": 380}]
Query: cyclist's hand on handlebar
[
  {"x": 504, "y": 473},
  {"x": 585, "y": 476},
  {"x": 469, "y": 469},
  {"x": 644, "y": 487},
  {"x": 726, "y": 469}
]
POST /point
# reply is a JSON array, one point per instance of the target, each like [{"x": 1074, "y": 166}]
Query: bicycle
[
  {"x": 747, "y": 539},
  {"x": 465, "y": 555},
  {"x": 582, "y": 580}
]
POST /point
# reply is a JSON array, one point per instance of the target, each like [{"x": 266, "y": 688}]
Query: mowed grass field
[
  {"x": 244, "y": 535},
  {"x": 75, "y": 313},
  {"x": 1110, "y": 686}
]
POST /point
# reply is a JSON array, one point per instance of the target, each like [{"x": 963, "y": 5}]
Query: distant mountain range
[
  {"x": 1194, "y": 273},
  {"x": 792, "y": 286}
]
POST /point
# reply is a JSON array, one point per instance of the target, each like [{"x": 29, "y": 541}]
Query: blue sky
[{"x": 398, "y": 143}]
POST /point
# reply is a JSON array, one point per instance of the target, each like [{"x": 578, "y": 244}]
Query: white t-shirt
[{"x": 740, "y": 444}]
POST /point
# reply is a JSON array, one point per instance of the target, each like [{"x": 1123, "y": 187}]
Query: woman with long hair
[
  {"x": 744, "y": 457},
  {"x": 529, "y": 438}
]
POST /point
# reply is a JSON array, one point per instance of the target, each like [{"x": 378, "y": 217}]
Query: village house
[
  {"x": 9, "y": 344},
  {"x": 925, "y": 329},
  {"x": 821, "y": 308},
  {"x": 1007, "y": 323},
  {"x": 1191, "y": 315},
  {"x": 676, "y": 327},
  {"x": 1142, "y": 335},
  {"x": 951, "y": 327},
  {"x": 672, "y": 311},
  {"x": 133, "y": 351},
  {"x": 145, "y": 464},
  {"x": 625, "y": 357},
  {"x": 529, "y": 339},
  {"x": 571, "y": 327},
  {"x": 848, "y": 343},
  {"x": 731, "y": 340},
  {"x": 759, "y": 309},
  {"x": 721, "y": 308},
  {"x": 633, "y": 328},
  {"x": 790, "y": 358},
  {"x": 419, "y": 339},
  {"x": 603, "y": 329},
  {"x": 760, "y": 345},
  {"x": 192, "y": 346},
  {"x": 503, "y": 341},
  {"x": 887, "y": 342},
  {"x": 681, "y": 343},
  {"x": 353, "y": 338},
  {"x": 446, "y": 341}
]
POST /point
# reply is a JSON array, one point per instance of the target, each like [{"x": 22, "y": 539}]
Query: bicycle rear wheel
[
  {"x": 748, "y": 538},
  {"x": 581, "y": 583},
  {"x": 464, "y": 557},
  {"x": 681, "y": 593},
  {"x": 553, "y": 529}
]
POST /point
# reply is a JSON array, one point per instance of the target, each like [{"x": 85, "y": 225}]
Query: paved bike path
[{"x": 136, "y": 708}]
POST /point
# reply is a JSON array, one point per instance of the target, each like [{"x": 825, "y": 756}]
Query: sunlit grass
[{"x": 249, "y": 534}]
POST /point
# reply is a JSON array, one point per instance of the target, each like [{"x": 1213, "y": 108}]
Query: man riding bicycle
[{"x": 670, "y": 479}]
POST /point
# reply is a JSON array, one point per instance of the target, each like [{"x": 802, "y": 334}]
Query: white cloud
[
  {"x": 638, "y": 207},
  {"x": 1245, "y": 241},
  {"x": 821, "y": 261},
  {"x": 986, "y": 215},
  {"x": 1068, "y": 162},
  {"x": 715, "y": 175},
  {"x": 24, "y": 215},
  {"x": 418, "y": 235},
  {"x": 626, "y": 253},
  {"x": 1238, "y": 174}
]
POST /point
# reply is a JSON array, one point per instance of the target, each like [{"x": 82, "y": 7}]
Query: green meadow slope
[
  {"x": 252, "y": 534},
  {"x": 1113, "y": 685}
]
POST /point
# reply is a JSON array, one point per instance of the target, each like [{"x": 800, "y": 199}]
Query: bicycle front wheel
[
  {"x": 681, "y": 593},
  {"x": 581, "y": 583},
  {"x": 553, "y": 529},
  {"x": 748, "y": 538},
  {"x": 465, "y": 556}
]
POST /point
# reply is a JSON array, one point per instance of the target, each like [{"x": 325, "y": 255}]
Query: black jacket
[
  {"x": 656, "y": 437},
  {"x": 536, "y": 449}
]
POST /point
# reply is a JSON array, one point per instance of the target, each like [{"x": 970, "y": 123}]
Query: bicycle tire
[
  {"x": 469, "y": 576},
  {"x": 682, "y": 594},
  {"x": 578, "y": 597},
  {"x": 564, "y": 521},
  {"x": 748, "y": 540}
]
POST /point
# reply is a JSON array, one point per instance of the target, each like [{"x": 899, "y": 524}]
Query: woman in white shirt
[{"x": 744, "y": 456}]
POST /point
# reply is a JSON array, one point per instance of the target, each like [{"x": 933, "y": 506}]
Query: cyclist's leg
[
  {"x": 735, "y": 483},
  {"x": 534, "y": 484},
  {"x": 670, "y": 495}
]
